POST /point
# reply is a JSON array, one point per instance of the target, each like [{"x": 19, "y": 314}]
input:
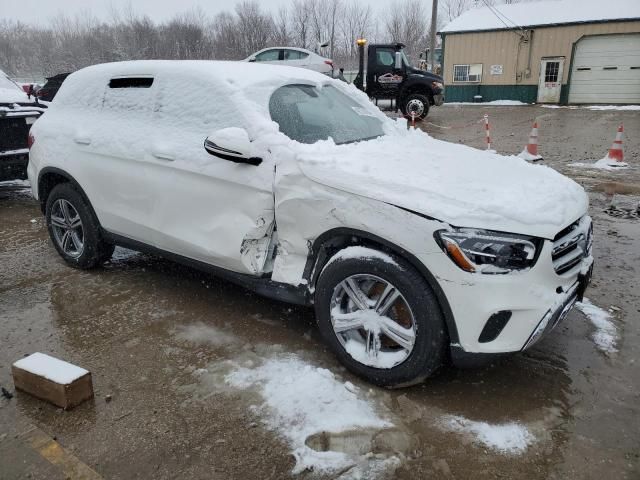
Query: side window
[
  {"x": 294, "y": 55},
  {"x": 198, "y": 105},
  {"x": 129, "y": 94},
  {"x": 269, "y": 55},
  {"x": 385, "y": 57}
]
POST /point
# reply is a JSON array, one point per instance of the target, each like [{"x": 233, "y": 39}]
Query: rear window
[{"x": 131, "y": 82}]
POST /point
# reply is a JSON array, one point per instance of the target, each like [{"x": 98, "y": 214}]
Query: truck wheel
[
  {"x": 74, "y": 230},
  {"x": 380, "y": 317},
  {"x": 417, "y": 104}
]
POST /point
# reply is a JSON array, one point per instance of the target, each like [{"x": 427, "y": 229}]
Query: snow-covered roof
[{"x": 549, "y": 12}]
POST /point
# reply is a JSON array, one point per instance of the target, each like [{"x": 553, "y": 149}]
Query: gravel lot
[{"x": 163, "y": 341}]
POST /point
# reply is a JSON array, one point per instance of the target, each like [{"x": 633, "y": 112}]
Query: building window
[
  {"x": 551, "y": 72},
  {"x": 467, "y": 73}
]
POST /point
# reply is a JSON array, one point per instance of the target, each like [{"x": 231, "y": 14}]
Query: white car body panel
[
  {"x": 150, "y": 179},
  {"x": 313, "y": 61}
]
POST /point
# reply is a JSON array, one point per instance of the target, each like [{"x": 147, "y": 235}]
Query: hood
[
  {"x": 423, "y": 73},
  {"x": 460, "y": 185},
  {"x": 13, "y": 95}
]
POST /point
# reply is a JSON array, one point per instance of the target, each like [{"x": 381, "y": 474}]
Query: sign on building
[{"x": 496, "y": 70}]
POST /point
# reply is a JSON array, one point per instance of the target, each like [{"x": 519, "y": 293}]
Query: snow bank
[
  {"x": 596, "y": 107},
  {"x": 501, "y": 17},
  {"x": 606, "y": 333},
  {"x": 51, "y": 368},
  {"x": 510, "y": 103},
  {"x": 301, "y": 400},
  {"x": 509, "y": 438}
]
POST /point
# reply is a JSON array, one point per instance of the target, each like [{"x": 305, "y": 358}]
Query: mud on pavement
[{"x": 198, "y": 378}]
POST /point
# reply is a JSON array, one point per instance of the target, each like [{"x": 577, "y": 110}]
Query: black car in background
[
  {"x": 49, "y": 90},
  {"x": 17, "y": 113}
]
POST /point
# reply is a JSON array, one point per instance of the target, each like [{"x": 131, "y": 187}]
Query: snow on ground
[
  {"x": 510, "y": 103},
  {"x": 595, "y": 107},
  {"x": 300, "y": 400},
  {"x": 509, "y": 438},
  {"x": 602, "y": 164},
  {"x": 606, "y": 333},
  {"x": 121, "y": 253}
]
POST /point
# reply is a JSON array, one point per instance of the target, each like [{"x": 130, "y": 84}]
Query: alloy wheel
[
  {"x": 67, "y": 228},
  {"x": 373, "y": 321}
]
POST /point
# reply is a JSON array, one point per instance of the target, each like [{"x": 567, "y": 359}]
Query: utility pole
[{"x": 432, "y": 35}]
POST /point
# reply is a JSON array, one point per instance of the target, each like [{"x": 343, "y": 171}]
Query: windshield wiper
[{"x": 361, "y": 139}]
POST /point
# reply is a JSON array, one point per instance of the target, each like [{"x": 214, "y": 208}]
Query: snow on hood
[
  {"x": 11, "y": 95},
  {"x": 457, "y": 184}
]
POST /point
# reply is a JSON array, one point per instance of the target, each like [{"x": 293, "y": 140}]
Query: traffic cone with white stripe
[
  {"x": 530, "y": 151},
  {"x": 615, "y": 157}
]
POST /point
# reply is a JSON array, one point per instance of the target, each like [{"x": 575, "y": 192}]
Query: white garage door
[{"x": 606, "y": 69}]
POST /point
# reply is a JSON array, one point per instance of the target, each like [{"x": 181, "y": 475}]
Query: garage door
[{"x": 606, "y": 69}]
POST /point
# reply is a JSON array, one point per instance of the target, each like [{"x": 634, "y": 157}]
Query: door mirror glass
[
  {"x": 231, "y": 144},
  {"x": 398, "y": 61}
]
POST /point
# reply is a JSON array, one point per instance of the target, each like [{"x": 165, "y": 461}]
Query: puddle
[
  {"x": 362, "y": 441},
  {"x": 612, "y": 188}
]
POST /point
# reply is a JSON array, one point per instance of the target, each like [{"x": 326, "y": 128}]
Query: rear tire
[
  {"x": 74, "y": 228},
  {"x": 394, "y": 364},
  {"x": 417, "y": 103}
]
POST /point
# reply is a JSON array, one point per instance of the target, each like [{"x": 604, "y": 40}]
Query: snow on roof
[{"x": 549, "y": 12}]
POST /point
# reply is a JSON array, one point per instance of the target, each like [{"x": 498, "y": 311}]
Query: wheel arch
[
  {"x": 49, "y": 177},
  {"x": 416, "y": 87},
  {"x": 331, "y": 241}
]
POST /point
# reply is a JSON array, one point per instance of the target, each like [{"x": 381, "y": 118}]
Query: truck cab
[{"x": 390, "y": 75}]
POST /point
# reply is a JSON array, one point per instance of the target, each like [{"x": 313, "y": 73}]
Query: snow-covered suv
[{"x": 296, "y": 186}]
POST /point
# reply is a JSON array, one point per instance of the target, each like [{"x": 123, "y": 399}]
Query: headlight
[
  {"x": 485, "y": 251},
  {"x": 437, "y": 85}
]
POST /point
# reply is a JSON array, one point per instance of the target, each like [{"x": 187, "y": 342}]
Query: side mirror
[
  {"x": 252, "y": 59},
  {"x": 398, "y": 65},
  {"x": 231, "y": 144}
]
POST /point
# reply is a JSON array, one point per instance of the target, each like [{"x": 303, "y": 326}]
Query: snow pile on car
[{"x": 454, "y": 183}]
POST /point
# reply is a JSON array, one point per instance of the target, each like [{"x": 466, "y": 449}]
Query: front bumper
[
  {"x": 438, "y": 99},
  {"x": 13, "y": 164},
  {"x": 536, "y": 300}
]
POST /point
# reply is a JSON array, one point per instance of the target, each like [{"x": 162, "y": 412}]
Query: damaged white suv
[{"x": 294, "y": 185}]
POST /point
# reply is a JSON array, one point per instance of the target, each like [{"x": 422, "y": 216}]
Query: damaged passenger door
[{"x": 211, "y": 205}]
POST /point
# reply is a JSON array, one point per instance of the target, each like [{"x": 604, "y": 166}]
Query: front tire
[
  {"x": 380, "y": 317},
  {"x": 416, "y": 103},
  {"x": 74, "y": 229}
]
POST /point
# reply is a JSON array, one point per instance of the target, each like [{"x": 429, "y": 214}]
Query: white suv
[{"x": 296, "y": 186}]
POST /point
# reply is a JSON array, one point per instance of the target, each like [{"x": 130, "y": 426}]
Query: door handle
[
  {"x": 82, "y": 140},
  {"x": 163, "y": 156}
]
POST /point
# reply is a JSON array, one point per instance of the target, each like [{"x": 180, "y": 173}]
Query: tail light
[
  {"x": 31, "y": 140},
  {"x": 329, "y": 62}
]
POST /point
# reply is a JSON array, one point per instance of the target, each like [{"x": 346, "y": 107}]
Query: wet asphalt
[{"x": 144, "y": 326}]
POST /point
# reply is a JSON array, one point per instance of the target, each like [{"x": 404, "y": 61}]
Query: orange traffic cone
[
  {"x": 615, "y": 157},
  {"x": 530, "y": 151}
]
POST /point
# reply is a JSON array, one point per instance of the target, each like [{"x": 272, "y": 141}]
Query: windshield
[
  {"x": 308, "y": 114},
  {"x": 406, "y": 60}
]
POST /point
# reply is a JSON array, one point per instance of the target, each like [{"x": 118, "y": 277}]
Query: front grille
[
  {"x": 571, "y": 245},
  {"x": 14, "y": 132}
]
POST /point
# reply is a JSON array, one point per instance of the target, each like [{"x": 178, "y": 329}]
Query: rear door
[
  {"x": 206, "y": 208},
  {"x": 111, "y": 163}
]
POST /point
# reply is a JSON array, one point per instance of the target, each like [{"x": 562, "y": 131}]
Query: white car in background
[
  {"x": 293, "y": 57},
  {"x": 295, "y": 185}
]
